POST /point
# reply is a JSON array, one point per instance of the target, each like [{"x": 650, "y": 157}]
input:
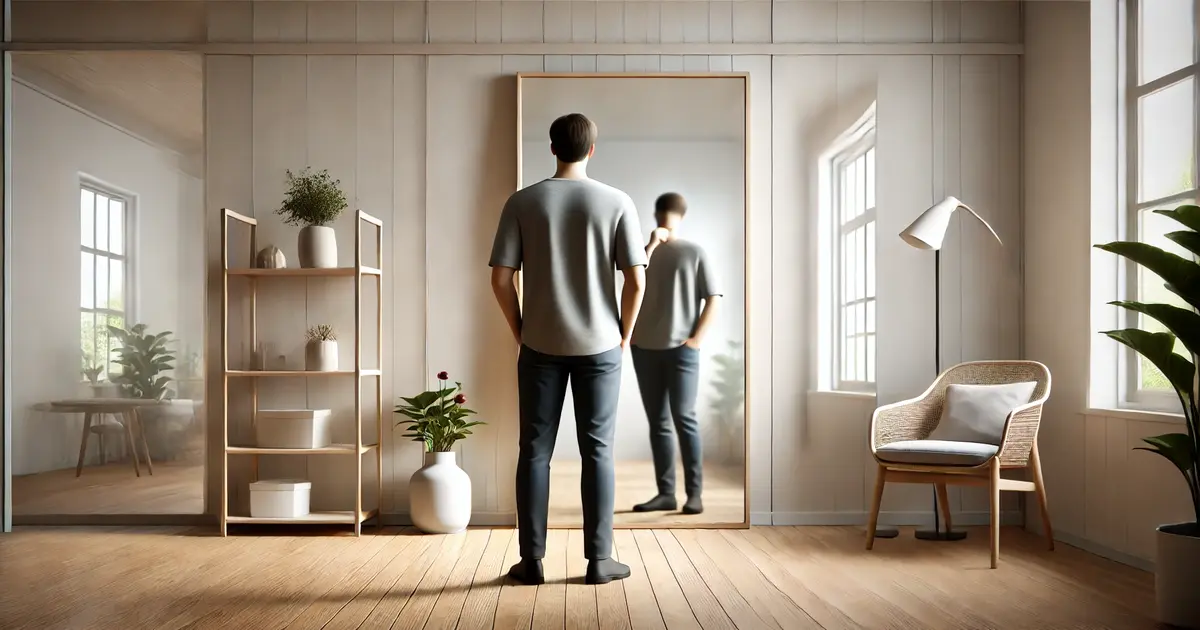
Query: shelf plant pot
[
  {"x": 318, "y": 247},
  {"x": 1176, "y": 573},
  {"x": 440, "y": 495},
  {"x": 321, "y": 356}
]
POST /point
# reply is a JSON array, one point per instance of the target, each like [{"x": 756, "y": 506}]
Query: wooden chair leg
[
  {"x": 873, "y": 521},
  {"x": 87, "y": 429},
  {"x": 943, "y": 500},
  {"x": 103, "y": 450},
  {"x": 128, "y": 421},
  {"x": 1035, "y": 463},
  {"x": 141, "y": 431},
  {"x": 994, "y": 529}
]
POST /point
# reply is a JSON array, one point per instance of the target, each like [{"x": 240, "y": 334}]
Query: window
[
  {"x": 103, "y": 272},
  {"x": 1161, "y": 83},
  {"x": 847, "y": 254}
]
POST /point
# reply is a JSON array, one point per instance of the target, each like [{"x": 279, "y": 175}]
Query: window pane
[
  {"x": 860, "y": 317},
  {"x": 860, "y": 185},
  {"x": 87, "y": 338},
  {"x": 101, "y": 225},
  {"x": 848, "y": 321},
  {"x": 851, "y": 268},
  {"x": 112, "y": 342},
  {"x": 860, "y": 275},
  {"x": 116, "y": 223},
  {"x": 870, "y": 316},
  {"x": 101, "y": 282},
  {"x": 851, "y": 194},
  {"x": 87, "y": 279},
  {"x": 1166, "y": 153},
  {"x": 871, "y": 358},
  {"x": 870, "y": 260},
  {"x": 851, "y": 358},
  {"x": 1166, "y": 29},
  {"x": 87, "y": 217},
  {"x": 116, "y": 285},
  {"x": 860, "y": 373},
  {"x": 871, "y": 178}
]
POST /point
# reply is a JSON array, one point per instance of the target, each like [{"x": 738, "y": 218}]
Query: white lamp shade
[{"x": 929, "y": 230}]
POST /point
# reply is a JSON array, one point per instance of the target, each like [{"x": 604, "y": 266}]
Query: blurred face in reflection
[{"x": 669, "y": 209}]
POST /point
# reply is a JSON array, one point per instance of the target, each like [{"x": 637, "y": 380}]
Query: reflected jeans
[{"x": 668, "y": 381}]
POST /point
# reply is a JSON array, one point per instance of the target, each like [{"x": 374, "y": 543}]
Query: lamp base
[
  {"x": 933, "y": 534},
  {"x": 886, "y": 532}
]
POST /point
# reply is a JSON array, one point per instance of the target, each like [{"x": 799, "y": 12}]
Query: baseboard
[
  {"x": 894, "y": 519},
  {"x": 478, "y": 519},
  {"x": 1105, "y": 552},
  {"x": 115, "y": 520}
]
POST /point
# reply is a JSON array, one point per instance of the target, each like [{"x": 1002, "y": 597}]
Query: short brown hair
[
  {"x": 670, "y": 202},
  {"x": 572, "y": 137}
]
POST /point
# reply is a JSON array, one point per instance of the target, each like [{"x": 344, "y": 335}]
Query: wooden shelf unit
[{"x": 357, "y": 273}]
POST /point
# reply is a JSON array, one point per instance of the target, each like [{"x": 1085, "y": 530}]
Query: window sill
[
  {"x": 843, "y": 394},
  {"x": 1137, "y": 414}
]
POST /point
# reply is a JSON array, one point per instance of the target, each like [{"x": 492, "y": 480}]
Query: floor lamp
[{"x": 928, "y": 232}]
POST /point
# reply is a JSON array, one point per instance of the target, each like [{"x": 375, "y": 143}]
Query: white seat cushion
[
  {"x": 937, "y": 452},
  {"x": 976, "y": 413}
]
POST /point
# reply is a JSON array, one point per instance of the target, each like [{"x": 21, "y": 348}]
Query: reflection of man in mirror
[
  {"x": 568, "y": 235},
  {"x": 666, "y": 352}
]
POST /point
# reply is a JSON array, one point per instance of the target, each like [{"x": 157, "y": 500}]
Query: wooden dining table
[{"x": 126, "y": 409}]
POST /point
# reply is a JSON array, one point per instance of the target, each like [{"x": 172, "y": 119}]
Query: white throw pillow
[{"x": 976, "y": 413}]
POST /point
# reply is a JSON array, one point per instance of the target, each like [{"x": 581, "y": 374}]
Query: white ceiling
[{"x": 704, "y": 108}]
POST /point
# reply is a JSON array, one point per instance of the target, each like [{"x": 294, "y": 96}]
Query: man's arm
[
  {"x": 707, "y": 315},
  {"x": 657, "y": 237},
  {"x": 505, "y": 289},
  {"x": 631, "y": 300}
]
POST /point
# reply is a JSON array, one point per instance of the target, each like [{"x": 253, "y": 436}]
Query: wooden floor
[
  {"x": 174, "y": 488},
  {"x": 771, "y": 577},
  {"x": 724, "y": 495}
]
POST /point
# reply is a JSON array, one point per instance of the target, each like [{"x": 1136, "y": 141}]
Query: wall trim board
[
  {"x": 115, "y": 520},
  {"x": 1105, "y": 552},
  {"x": 895, "y": 519},
  {"x": 301, "y": 48}
]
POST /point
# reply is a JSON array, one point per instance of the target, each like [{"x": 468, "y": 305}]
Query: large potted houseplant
[
  {"x": 1177, "y": 562},
  {"x": 144, "y": 359},
  {"x": 440, "y": 492},
  {"x": 313, "y": 201}
]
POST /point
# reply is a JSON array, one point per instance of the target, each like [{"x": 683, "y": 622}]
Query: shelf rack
[{"x": 358, "y": 273}]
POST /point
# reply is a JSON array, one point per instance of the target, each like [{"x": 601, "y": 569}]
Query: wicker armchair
[{"x": 915, "y": 419}]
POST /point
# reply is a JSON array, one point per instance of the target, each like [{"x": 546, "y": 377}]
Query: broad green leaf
[
  {"x": 1188, "y": 215},
  {"x": 1175, "y": 270},
  {"x": 1159, "y": 349},
  {"x": 1176, "y": 447},
  {"x": 1182, "y": 322}
]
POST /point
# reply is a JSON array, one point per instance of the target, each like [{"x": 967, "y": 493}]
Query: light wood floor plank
[
  {"x": 360, "y": 606},
  {"x": 582, "y": 613},
  {"x": 448, "y": 609},
  {"x": 708, "y": 611},
  {"x": 479, "y": 609},
  {"x": 325, "y": 608},
  {"x": 676, "y": 613},
  {"x": 514, "y": 609},
  {"x": 388, "y": 604},
  {"x": 612, "y": 611},
  {"x": 420, "y": 604},
  {"x": 644, "y": 613},
  {"x": 550, "y": 609}
]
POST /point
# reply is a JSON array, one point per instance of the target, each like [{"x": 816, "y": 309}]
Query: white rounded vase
[
  {"x": 439, "y": 495},
  {"x": 1176, "y": 573},
  {"x": 321, "y": 356},
  {"x": 318, "y": 247}
]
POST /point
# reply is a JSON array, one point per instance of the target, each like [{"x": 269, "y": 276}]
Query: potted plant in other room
[
  {"x": 143, "y": 357},
  {"x": 1177, "y": 563},
  {"x": 313, "y": 201},
  {"x": 321, "y": 353},
  {"x": 440, "y": 492}
]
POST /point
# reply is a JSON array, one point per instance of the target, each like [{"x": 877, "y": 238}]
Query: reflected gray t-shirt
[
  {"x": 568, "y": 237},
  {"x": 678, "y": 279}
]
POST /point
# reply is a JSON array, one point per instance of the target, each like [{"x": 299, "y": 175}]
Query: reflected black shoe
[
  {"x": 660, "y": 503},
  {"x": 605, "y": 571},
  {"x": 693, "y": 506},
  {"x": 528, "y": 572}
]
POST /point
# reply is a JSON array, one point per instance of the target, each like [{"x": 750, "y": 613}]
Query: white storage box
[
  {"x": 292, "y": 428},
  {"x": 279, "y": 498}
]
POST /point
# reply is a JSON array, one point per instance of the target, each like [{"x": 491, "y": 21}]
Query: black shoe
[
  {"x": 605, "y": 571},
  {"x": 693, "y": 506},
  {"x": 528, "y": 572},
  {"x": 660, "y": 503}
]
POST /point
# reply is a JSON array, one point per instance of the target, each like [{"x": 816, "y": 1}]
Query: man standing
[
  {"x": 568, "y": 235},
  {"x": 666, "y": 353}
]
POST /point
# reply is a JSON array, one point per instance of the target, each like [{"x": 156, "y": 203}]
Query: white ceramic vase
[
  {"x": 318, "y": 247},
  {"x": 1176, "y": 573},
  {"x": 321, "y": 356},
  {"x": 439, "y": 495}
]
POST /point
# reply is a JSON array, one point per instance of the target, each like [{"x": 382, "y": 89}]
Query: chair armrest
[
  {"x": 910, "y": 419},
  {"x": 1020, "y": 433}
]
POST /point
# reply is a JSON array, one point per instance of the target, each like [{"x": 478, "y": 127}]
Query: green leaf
[
  {"x": 1188, "y": 215},
  {"x": 1188, "y": 240},
  {"x": 1159, "y": 349},
  {"x": 1182, "y": 322},
  {"x": 1180, "y": 273},
  {"x": 1176, "y": 447}
]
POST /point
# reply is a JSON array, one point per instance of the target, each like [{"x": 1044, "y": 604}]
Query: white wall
[{"x": 53, "y": 146}]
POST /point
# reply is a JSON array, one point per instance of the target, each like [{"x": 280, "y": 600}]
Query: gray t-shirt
[
  {"x": 569, "y": 236},
  {"x": 678, "y": 279}
]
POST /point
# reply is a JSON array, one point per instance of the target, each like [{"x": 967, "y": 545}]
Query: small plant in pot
[
  {"x": 313, "y": 201},
  {"x": 440, "y": 492},
  {"x": 1177, "y": 563},
  {"x": 321, "y": 352}
]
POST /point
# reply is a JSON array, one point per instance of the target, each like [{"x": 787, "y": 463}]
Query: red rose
[
  {"x": 443, "y": 376},
  {"x": 460, "y": 399}
]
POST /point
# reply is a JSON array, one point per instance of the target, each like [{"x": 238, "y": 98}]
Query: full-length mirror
[{"x": 677, "y": 146}]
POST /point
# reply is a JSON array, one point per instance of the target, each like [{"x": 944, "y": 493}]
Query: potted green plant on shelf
[
  {"x": 439, "y": 492},
  {"x": 313, "y": 201},
  {"x": 321, "y": 352},
  {"x": 1177, "y": 563}
]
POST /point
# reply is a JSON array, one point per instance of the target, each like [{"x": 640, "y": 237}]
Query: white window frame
[
  {"x": 848, "y": 147},
  {"x": 127, "y": 258},
  {"x": 1129, "y": 369}
]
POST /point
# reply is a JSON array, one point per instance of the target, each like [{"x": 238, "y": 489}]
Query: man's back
[
  {"x": 677, "y": 279},
  {"x": 568, "y": 236}
]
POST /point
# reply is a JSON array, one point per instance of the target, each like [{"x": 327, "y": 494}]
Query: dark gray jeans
[
  {"x": 668, "y": 380},
  {"x": 542, "y": 387}
]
